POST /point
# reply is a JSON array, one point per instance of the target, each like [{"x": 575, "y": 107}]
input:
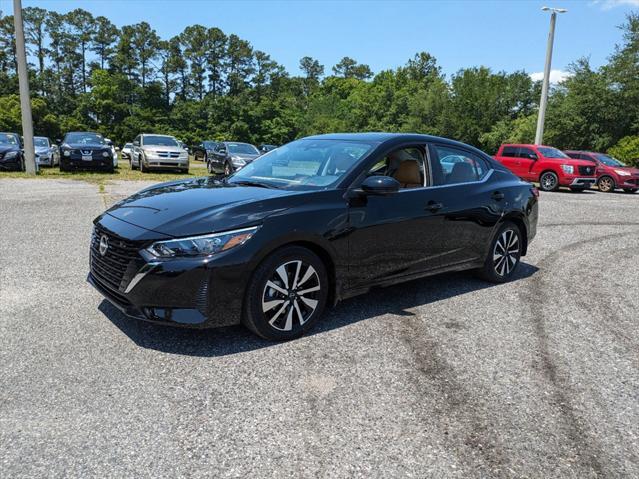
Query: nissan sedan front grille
[{"x": 115, "y": 265}]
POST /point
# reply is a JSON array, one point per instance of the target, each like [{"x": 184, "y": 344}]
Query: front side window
[
  {"x": 406, "y": 165},
  {"x": 453, "y": 165},
  {"x": 304, "y": 164},
  {"x": 41, "y": 142},
  {"x": 85, "y": 139},
  {"x": 549, "y": 152},
  {"x": 526, "y": 153},
  {"x": 157, "y": 140}
]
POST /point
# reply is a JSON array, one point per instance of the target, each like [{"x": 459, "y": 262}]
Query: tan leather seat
[{"x": 408, "y": 174}]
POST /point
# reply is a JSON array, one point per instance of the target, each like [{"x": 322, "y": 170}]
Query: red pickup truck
[{"x": 549, "y": 166}]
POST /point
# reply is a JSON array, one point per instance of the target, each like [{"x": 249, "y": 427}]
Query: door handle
[
  {"x": 433, "y": 206},
  {"x": 497, "y": 195}
]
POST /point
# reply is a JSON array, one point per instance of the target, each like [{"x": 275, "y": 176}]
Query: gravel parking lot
[{"x": 442, "y": 377}]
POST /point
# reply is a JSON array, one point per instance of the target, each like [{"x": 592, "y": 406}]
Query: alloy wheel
[
  {"x": 291, "y": 295},
  {"x": 548, "y": 182},
  {"x": 606, "y": 184},
  {"x": 506, "y": 252}
]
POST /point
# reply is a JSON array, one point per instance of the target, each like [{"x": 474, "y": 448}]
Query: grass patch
[{"x": 123, "y": 172}]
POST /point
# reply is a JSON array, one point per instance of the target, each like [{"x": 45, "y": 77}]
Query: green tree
[
  {"x": 145, "y": 43},
  {"x": 82, "y": 28},
  {"x": 103, "y": 40},
  {"x": 34, "y": 29}
]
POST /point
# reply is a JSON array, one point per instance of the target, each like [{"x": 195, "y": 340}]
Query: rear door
[
  {"x": 472, "y": 203},
  {"x": 524, "y": 162}
]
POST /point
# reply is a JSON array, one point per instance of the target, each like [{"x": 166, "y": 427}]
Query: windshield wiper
[{"x": 252, "y": 183}]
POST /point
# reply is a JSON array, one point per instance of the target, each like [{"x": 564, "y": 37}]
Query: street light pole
[
  {"x": 539, "y": 136},
  {"x": 25, "y": 99}
]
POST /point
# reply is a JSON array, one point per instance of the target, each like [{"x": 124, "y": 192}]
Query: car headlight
[
  {"x": 201, "y": 245},
  {"x": 237, "y": 161},
  {"x": 184, "y": 155},
  {"x": 569, "y": 169},
  {"x": 11, "y": 154},
  {"x": 622, "y": 173},
  {"x": 66, "y": 152}
]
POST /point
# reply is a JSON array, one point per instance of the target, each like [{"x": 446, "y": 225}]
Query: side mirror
[{"x": 380, "y": 185}]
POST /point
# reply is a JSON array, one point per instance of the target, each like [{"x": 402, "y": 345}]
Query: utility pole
[
  {"x": 539, "y": 136},
  {"x": 25, "y": 99}
]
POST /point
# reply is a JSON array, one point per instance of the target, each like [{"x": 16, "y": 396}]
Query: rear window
[{"x": 509, "y": 151}]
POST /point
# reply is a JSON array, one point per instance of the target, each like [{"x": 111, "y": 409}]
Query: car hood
[
  {"x": 629, "y": 169},
  {"x": 87, "y": 146},
  {"x": 163, "y": 148},
  {"x": 200, "y": 206},
  {"x": 42, "y": 149},
  {"x": 245, "y": 157},
  {"x": 5, "y": 148}
]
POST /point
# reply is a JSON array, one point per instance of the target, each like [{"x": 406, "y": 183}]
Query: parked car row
[{"x": 577, "y": 170}]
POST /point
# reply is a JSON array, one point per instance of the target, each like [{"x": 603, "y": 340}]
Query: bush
[{"x": 627, "y": 150}]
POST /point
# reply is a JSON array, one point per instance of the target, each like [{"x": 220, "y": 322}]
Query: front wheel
[
  {"x": 228, "y": 169},
  {"x": 286, "y": 295},
  {"x": 209, "y": 167},
  {"x": 606, "y": 184},
  {"x": 548, "y": 181},
  {"x": 504, "y": 255}
]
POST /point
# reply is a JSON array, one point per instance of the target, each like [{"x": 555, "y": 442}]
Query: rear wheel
[
  {"x": 606, "y": 184},
  {"x": 504, "y": 255},
  {"x": 63, "y": 167},
  {"x": 286, "y": 295},
  {"x": 548, "y": 181}
]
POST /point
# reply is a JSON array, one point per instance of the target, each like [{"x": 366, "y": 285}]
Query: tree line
[{"x": 86, "y": 73}]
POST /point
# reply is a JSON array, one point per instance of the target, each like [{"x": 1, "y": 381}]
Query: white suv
[{"x": 163, "y": 152}]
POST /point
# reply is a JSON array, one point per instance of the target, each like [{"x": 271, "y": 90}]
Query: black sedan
[
  {"x": 11, "y": 156},
  {"x": 86, "y": 150},
  {"x": 227, "y": 157},
  {"x": 313, "y": 222}
]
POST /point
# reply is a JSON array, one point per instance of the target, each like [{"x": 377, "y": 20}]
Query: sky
[{"x": 503, "y": 35}]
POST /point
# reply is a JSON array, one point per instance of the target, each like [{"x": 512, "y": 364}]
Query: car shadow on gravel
[{"x": 397, "y": 300}]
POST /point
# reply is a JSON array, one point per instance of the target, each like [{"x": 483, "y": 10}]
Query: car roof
[
  {"x": 390, "y": 138},
  {"x": 156, "y": 134},
  {"x": 584, "y": 151}
]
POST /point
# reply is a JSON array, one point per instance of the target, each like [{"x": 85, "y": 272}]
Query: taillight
[{"x": 535, "y": 191}]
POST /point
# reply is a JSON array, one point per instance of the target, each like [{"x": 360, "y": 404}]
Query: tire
[
  {"x": 110, "y": 169},
  {"x": 629, "y": 190},
  {"x": 133, "y": 167},
  {"x": 228, "y": 169},
  {"x": 209, "y": 168},
  {"x": 499, "y": 268},
  {"x": 143, "y": 169},
  {"x": 268, "y": 310},
  {"x": 63, "y": 167},
  {"x": 549, "y": 181},
  {"x": 606, "y": 184},
  {"x": 23, "y": 166},
  {"x": 185, "y": 171}
]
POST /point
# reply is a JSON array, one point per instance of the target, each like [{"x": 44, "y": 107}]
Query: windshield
[
  {"x": 159, "y": 140},
  {"x": 548, "y": 152},
  {"x": 242, "y": 149},
  {"x": 8, "y": 139},
  {"x": 41, "y": 142},
  {"x": 84, "y": 138},
  {"x": 608, "y": 160},
  {"x": 304, "y": 164}
]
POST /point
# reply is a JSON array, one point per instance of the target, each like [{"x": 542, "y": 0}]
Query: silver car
[
  {"x": 161, "y": 152},
  {"x": 46, "y": 153}
]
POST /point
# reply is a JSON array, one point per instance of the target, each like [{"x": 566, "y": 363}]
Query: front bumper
[
  {"x": 97, "y": 163},
  {"x": 191, "y": 292},
  {"x": 10, "y": 164},
  {"x": 628, "y": 182},
  {"x": 167, "y": 163}
]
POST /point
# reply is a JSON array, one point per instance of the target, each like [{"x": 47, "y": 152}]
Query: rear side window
[
  {"x": 575, "y": 156},
  {"x": 452, "y": 165},
  {"x": 509, "y": 151}
]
